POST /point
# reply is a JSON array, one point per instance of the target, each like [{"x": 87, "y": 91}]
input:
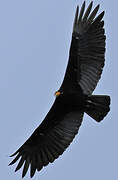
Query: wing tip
[
  {"x": 14, "y": 153},
  {"x": 88, "y": 16},
  {"x": 76, "y": 19}
]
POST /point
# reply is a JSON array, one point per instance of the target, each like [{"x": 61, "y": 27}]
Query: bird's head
[{"x": 58, "y": 93}]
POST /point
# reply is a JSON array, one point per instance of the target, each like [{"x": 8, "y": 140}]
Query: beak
[{"x": 57, "y": 93}]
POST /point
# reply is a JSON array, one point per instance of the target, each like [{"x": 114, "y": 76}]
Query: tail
[{"x": 97, "y": 106}]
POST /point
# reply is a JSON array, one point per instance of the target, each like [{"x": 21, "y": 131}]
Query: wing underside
[
  {"x": 87, "y": 50},
  {"x": 91, "y": 46},
  {"x": 43, "y": 148}
]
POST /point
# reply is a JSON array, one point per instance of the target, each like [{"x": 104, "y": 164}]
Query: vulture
[{"x": 74, "y": 98}]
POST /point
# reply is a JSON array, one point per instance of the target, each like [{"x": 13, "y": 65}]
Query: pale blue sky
[{"x": 34, "y": 44}]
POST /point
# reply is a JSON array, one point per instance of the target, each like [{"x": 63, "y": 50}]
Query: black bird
[{"x": 61, "y": 124}]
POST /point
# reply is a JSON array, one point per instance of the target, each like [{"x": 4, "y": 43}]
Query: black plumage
[{"x": 61, "y": 124}]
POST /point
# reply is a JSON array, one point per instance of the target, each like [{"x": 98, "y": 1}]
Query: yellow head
[{"x": 57, "y": 93}]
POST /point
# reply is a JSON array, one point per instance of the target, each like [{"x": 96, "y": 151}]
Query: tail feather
[{"x": 97, "y": 106}]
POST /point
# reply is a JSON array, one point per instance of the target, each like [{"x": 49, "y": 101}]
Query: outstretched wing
[
  {"x": 48, "y": 141},
  {"x": 87, "y": 51}
]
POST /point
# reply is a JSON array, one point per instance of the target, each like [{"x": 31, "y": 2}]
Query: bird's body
[{"x": 61, "y": 124}]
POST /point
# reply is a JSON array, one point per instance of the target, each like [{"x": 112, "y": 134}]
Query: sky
[{"x": 35, "y": 38}]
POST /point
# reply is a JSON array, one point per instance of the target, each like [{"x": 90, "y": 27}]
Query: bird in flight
[{"x": 74, "y": 98}]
